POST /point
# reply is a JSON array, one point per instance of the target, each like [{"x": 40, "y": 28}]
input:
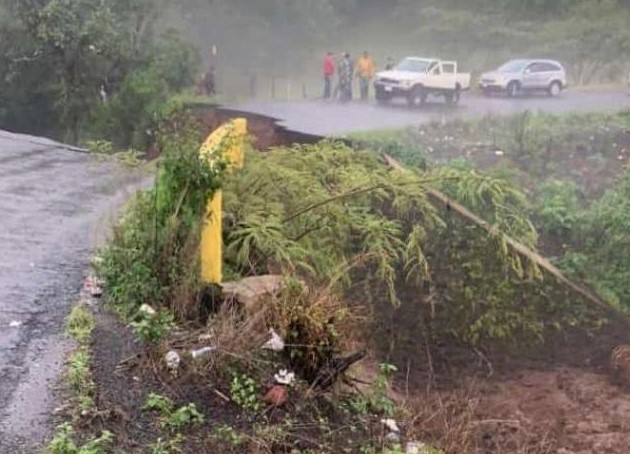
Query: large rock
[{"x": 249, "y": 292}]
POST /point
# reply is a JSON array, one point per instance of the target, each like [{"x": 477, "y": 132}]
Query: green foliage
[
  {"x": 172, "y": 446},
  {"x": 182, "y": 417},
  {"x": 63, "y": 443},
  {"x": 558, "y": 208},
  {"x": 161, "y": 404},
  {"x": 340, "y": 214},
  {"x": 149, "y": 258},
  {"x": 603, "y": 244},
  {"x": 153, "y": 328},
  {"x": 244, "y": 392},
  {"x": 170, "y": 417},
  {"x": 229, "y": 435},
  {"x": 85, "y": 48},
  {"x": 376, "y": 401},
  {"x": 81, "y": 323},
  {"x": 79, "y": 378}
]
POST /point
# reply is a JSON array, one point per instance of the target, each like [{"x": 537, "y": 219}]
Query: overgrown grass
[{"x": 80, "y": 326}]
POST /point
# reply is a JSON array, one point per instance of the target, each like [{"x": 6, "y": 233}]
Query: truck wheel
[
  {"x": 452, "y": 98},
  {"x": 554, "y": 89},
  {"x": 417, "y": 96},
  {"x": 512, "y": 89}
]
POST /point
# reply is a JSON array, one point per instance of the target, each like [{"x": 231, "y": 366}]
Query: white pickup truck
[{"x": 417, "y": 78}]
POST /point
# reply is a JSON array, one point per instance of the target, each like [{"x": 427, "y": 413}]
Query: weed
[
  {"x": 229, "y": 435},
  {"x": 376, "y": 400},
  {"x": 244, "y": 392},
  {"x": 63, "y": 443},
  {"x": 172, "y": 446},
  {"x": 80, "y": 323},
  {"x": 160, "y": 404},
  {"x": 153, "y": 328},
  {"x": 79, "y": 377},
  {"x": 170, "y": 417},
  {"x": 182, "y": 417}
]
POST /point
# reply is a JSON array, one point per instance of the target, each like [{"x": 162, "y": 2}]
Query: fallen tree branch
[{"x": 519, "y": 248}]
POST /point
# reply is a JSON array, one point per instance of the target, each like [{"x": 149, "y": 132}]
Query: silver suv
[{"x": 525, "y": 76}]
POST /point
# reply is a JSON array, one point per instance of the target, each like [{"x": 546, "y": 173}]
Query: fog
[{"x": 286, "y": 39}]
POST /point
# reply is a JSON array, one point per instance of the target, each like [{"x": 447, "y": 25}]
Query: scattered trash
[
  {"x": 148, "y": 310},
  {"x": 276, "y": 343},
  {"x": 93, "y": 286},
  {"x": 393, "y": 437},
  {"x": 276, "y": 396},
  {"x": 391, "y": 425},
  {"x": 172, "y": 359},
  {"x": 284, "y": 377},
  {"x": 15, "y": 324},
  {"x": 202, "y": 352},
  {"x": 414, "y": 447},
  {"x": 499, "y": 153}
]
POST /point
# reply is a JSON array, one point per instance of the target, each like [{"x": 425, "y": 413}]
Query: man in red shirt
[{"x": 329, "y": 71}]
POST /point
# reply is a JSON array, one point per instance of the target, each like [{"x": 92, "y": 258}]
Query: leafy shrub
[
  {"x": 244, "y": 392},
  {"x": 342, "y": 215},
  {"x": 151, "y": 256},
  {"x": 153, "y": 328},
  {"x": 557, "y": 208}
]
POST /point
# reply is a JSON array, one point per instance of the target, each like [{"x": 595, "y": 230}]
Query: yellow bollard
[{"x": 226, "y": 143}]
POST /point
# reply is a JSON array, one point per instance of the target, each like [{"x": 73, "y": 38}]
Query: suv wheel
[
  {"x": 417, "y": 96},
  {"x": 512, "y": 89},
  {"x": 554, "y": 89}
]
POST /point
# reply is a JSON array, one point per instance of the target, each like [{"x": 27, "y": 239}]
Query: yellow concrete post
[{"x": 226, "y": 143}]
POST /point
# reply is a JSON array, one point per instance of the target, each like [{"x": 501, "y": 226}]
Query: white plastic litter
[
  {"x": 499, "y": 153},
  {"x": 148, "y": 310},
  {"x": 202, "y": 352},
  {"x": 172, "y": 359},
  {"x": 393, "y": 437},
  {"x": 15, "y": 324},
  {"x": 276, "y": 343},
  {"x": 414, "y": 447},
  {"x": 93, "y": 286},
  {"x": 391, "y": 425},
  {"x": 284, "y": 377}
]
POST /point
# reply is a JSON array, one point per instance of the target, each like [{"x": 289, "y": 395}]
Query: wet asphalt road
[
  {"x": 324, "y": 118},
  {"x": 54, "y": 206}
]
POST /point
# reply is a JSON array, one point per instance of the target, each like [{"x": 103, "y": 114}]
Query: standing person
[
  {"x": 346, "y": 71},
  {"x": 210, "y": 82},
  {"x": 365, "y": 73},
  {"x": 329, "y": 72}
]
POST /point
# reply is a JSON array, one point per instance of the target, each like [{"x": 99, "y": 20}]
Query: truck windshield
[
  {"x": 513, "y": 66},
  {"x": 413, "y": 65}
]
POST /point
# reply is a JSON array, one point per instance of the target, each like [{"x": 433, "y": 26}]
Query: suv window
[
  {"x": 536, "y": 68},
  {"x": 550, "y": 67}
]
